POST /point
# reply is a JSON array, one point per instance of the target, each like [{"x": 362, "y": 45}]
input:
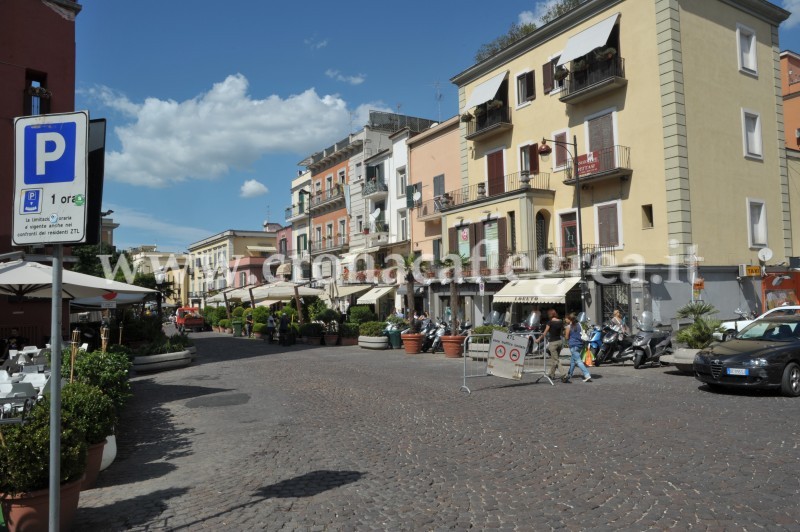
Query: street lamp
[
  {"x": 574, "y": 155},
  {"x": 308, "y": 238},
  {"x": 160, "y": 277}
]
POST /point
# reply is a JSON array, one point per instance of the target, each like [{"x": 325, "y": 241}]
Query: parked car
[
  {"x": 765, "y": 354},
  {"x": 729, "y": 328}
]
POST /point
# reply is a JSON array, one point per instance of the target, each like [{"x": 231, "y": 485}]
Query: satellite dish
[
  {"x": 417, "y": 196},
  {"x": 764, "y": 254},
  {"x": 374, "y": 215}
]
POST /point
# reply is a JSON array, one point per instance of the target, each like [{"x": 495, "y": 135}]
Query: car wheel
[
  {"x": 790, "y": 384},
  {"x": 637, "y": 360},
  {"x": 727, "y": 335}
]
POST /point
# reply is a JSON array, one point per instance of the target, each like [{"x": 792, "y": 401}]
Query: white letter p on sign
[{"x": 42, "y": 155}]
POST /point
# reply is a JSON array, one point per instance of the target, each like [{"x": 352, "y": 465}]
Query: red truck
[{"x": 189, "y": 318}]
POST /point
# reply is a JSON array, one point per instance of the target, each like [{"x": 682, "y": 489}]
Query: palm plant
[{"x": 700, "y": 333}]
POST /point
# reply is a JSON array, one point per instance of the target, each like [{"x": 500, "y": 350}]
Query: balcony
[
  {"x": 330, "y": 244},
  {"x": 296, "y": 213},
  {"x": 430, "y": 209},
  {"x": 607, "y": 163},
  {"x": 375, "y": 190},
  {"x": 331, "y": 198},
  {"x": 480, "y": 192},
  {"x": 488, "y": 122},
  {"x": 589, "y": 79},
  {"x": 563, "y": 259}
]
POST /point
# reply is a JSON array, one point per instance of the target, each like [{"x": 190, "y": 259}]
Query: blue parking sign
[
  {"x": 32, "y": 201},
  {"x": 49, "y": 153}
]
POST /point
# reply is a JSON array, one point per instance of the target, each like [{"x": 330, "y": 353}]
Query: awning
[
  {"x": 552, "y": 290},
  {"x": 284, "y": 269},
  {"x": 264, "y": 249},
  {"x": 485, "y": 91},
  {"x": 584, "y": 42},
  {"x": 372, "y": 297},
  {"x": 344, "y": 291}
]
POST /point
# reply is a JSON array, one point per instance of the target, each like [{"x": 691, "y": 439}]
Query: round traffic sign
[
  {"x": 499, "y": 351},
  {"x": 514, "y": 354}
]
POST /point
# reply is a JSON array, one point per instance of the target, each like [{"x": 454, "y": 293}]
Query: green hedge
[
  {"x": 311, "y": 330},
  {"x": 362, "y": 314},
  {"x": 225, "y": 323},
  {"x": 259, "y": 328},
  {"x": 485, "y": 329},
  {"x": 372, "y": 328},
  {"x": 349, "y": 330}
]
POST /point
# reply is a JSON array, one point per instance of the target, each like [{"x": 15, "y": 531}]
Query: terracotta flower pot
[
  {"x": 314, "y": 340},
  {"x": 331, "y": 339},
  {"x": 412, "y": 343},
  {"x": 94, "y": 456},
  {"x": 453, "y": 346},
  {"x": 30, "y": 512},
  {"x": 348, "y": 341}
]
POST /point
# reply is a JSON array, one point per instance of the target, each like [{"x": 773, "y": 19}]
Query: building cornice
[
  {"x": 442, "y": 128},
  {"x": 761, "y": 9},
  {"x": 230, "y": 233}
]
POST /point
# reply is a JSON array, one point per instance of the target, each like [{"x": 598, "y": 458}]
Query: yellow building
[
  {"x": 639, "y": 132},
  {"x": 175, "y": 281}
]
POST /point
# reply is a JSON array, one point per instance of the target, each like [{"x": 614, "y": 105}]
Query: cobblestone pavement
[{"x": 258, "y": 437}]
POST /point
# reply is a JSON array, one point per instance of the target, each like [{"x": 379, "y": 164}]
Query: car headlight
[
  {"x": 755, "y": 362},
  {"x": 698, "y": 359}
]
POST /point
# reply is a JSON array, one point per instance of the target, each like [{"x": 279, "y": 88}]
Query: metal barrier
[{"x": 476, "y": 359}]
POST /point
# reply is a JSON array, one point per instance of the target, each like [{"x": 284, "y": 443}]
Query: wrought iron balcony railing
[
  {"x": 373, "y": 188},
  {"x": 589, "y": 78},
  {"x": 327, "y": 196},
  {"x": 295, "y": 211},
  {"x": 614, "y": 161},
  {"x": 482, "y": 191},
  {"x": 486, "y": 120}
]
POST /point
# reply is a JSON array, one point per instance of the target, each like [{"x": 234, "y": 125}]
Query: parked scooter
[
  {"x": 442, "y": 329},
  {"x": 649, "y": 343},
  {"x": 615, "y": 345},
  {"x": 595, "y": 334},
  {"x": 428, "y": 331},
  {"x": 531, "y": 328}
]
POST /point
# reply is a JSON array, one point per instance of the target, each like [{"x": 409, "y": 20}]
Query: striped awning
[{"x": 552, "y": 290}]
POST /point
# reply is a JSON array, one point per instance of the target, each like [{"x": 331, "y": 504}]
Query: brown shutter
[
  {"x": 530, "y": 85},
  {"x": 480, "y": 234},
  {"x": 547, "y": 77},
  {"x": 561, "y": 149},
  {"x": 502, "y": 242},
  {"x": 607, "y": 225},
  {"x": 533, "y": 158},
  {"x": 452, "y": 240},
  {"x": 496, "y": 177}
]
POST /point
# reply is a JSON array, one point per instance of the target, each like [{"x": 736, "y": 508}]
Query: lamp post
[
  {"x": 574, "y": 155},
  {"x": 308, "y": 238},
  {"x": 160, "y": 277}
]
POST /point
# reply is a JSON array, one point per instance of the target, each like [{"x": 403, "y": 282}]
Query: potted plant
[
  {"x": 312, "y": 332},
  {"x": 412, "y": 340},
  {"x": 330, "y": 317},
  {"x": 605, "y": 52},
  {"x": 361, "y": 313},
  {"x": 696, "y": 336},
  {"x": 361, "y": 276},
  {"x": 225, "y": 325},
  {"x": 95, "y": 416},
  {"x": 560, "y": 73},
  {"x": 466, "y": 117},
  {"x": 371, "y": 335},
  {"x": 580, "y": 65},
  {"x": 348, "y": 334},
  {"x": 25, "y": 477},
  {"x": 258, "y": 330},
  {"x": 478, "y": 344},
  {"x": 494, "y": 104}
]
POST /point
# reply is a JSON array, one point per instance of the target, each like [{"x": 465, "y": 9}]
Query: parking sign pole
[{"x": 55, "y": 391}]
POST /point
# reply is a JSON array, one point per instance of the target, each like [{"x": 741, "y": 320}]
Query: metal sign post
[{"x": 55, "y": 391}]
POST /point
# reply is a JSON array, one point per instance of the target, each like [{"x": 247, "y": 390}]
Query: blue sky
[{"x": 211, "y": 105}]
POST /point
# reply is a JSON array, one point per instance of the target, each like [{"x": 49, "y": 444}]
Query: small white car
[{"x": 729, "y": 328}]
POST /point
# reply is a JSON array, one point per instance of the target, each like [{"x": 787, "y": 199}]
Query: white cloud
[
  {"x": 315, "y": 44},
  {"x": 352, "y": 80},
  {"x": 252, "y": 188},
  {"x": 528, "y": 17},
  {"x": 155, "y": 227},
  {"x": 794, "y": 7},
  {"x": 111, "y": 99},
  {"x": 169, "y": 142}
]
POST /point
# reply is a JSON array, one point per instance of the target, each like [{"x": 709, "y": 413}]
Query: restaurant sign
[{"x": 589, "y": 163}]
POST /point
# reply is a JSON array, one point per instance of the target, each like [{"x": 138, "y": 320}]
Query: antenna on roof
[{"x": 438, "y": 96}]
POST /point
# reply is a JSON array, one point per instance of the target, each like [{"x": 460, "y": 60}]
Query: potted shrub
[
  {"x": 371, "y": 335},
  {"x": 479, "y": 345},
  {"x": 494, "y": 104},
  {"x": 25, "y": 477},
  {"x": 225, "y": 325},
  {"x": 695, "y": 337},
  {"x": 412, "y": 340},
  {"x": 95, "y": 416},
  {"x": 312, "y": 332},
  {"x": 466, "y": 117},
  {"x": 361, "y": 313},
  {"x": 348, "y": 334},
  {"x": 258, "y": 330},
  {"x": 560, "y": 73},
  {"x": 330, "y": 317}
]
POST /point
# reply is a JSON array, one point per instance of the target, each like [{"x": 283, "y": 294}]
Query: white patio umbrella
[
  {"x": 283, "y": 290},
  {"x": 32, "y": 279}
]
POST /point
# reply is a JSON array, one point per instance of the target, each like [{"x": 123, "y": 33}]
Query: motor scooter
[
  {"x": 615, "y": 345},
  {"x": 649, "y": 343},
  {"x": 595, "y": 334},
  {"x": 428, "y": 331},
  {"x": 531, "y": 327},
  {"x": 442, "y": 329}
]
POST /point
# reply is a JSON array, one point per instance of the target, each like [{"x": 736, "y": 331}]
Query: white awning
[
  {"x": 485, "y": 91},
  {"x": 372, "y": 297},
  {"x": 264, "y": 249},
  {"x": 584, "y": 42},
  {"x": 284, "y": 269},
  {"x": 553, "y": 290},
  {"x": 344, "y": 290}
]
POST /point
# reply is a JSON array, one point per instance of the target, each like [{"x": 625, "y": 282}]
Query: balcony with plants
[
  {"x": 328, "y": 199},
  {"x": 596, "y": 73},
  {"x": 375, "y": 189},
  {"x": 487, "y": 119}
]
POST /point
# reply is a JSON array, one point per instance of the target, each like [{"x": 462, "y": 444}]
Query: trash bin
[
  {"x": 237, "y": 329},
  {"x": 394, "y": 339}
]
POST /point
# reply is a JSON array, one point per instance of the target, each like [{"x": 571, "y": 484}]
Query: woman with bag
[{"x": 573, "y": 333}]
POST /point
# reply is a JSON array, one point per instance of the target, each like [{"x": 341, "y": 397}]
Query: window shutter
[
  {"x": 607, "y": 225},
  {"x": 533, "y": 158},
  {"x": 44, "y": 105},
  {"x": 530, "y": 86},
  {"x": 561, "y": 149},
  {"x": 452, "y": 240},
  {"x": 437, "y": 250},
  {"x": 438, "y": 185},
  {"x": 502, "y": 242},
  {"x": 479, "y": 237},
  {"x": 547, "y": 77},
  {"x": 410, "y": 196}
]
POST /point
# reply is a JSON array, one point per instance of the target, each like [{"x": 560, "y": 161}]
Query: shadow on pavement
[
  {"x": 128, "y": 513},
  {"x": 213, "y": 349}
]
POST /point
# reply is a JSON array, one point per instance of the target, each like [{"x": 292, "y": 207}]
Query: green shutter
[{"x": 410, "y": 196}]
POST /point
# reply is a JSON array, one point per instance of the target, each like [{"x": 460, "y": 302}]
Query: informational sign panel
[
  {"x": 507, "y": 355},
  {"x": 50, "y": 179}
]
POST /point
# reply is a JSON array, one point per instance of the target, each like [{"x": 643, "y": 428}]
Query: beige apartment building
[
  {"x": 625, "y": 132},
  {"x": 172, "y": 265}
]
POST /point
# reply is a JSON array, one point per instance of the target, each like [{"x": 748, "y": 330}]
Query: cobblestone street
[{"x": 254, "y": 436}]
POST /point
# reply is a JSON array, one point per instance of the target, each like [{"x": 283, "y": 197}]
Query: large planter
[
  {"x": 331, "y": 339},
  {"x": 373, "y": 342},
  {"x": 162, "y": 361},
  {"x": 478, "y": 351},
  {"x": 109, "y": 452},
  {"x": 453, "y": 346},
  {"x": 682, "y": 359},
  {"x": 314, "y": 340},
  {"x": 348, "y": 341},
  {"x": 94, "y": 457},
  {"x": 412, "y": 343},
  {"x": 29, "y": 512}
]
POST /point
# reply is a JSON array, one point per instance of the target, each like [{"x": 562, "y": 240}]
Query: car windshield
[{"x": 778, "y": 331}]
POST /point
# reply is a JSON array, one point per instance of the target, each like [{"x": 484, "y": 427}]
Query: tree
[
  {"x": 88, "y": 261},
  {"x": 559, "y": 8}
]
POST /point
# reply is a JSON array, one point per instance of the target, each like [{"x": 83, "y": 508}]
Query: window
[
  {"x": 551, "y": 81},
  {"x": 569, "y": 232},
  {"x": 342, "y": 231},
  {"x": 756, "y": 223},
  {"x": 319, "y": 235},
  {"x": 437, "y": 250},
  {"x": 647, "y": 216},
  {"x": 360, "y": 223},
  {"x": 560, "y": 150},
  {"x": 242, "y": 278},
  {"x": 403, "y": 225},
  {"x": 301, "y": 242},
  {"x": 401, "y": 181},
  {"x": 751, "y": 126},
  {"x": 359, "y": 171},
  {"x": 529, "y": 158},
  {"x": 283, "y": 246},
  {"x": 526, "y": 88},
  {"x": 329, "y": 182},
  {"x": 342, "y": 175},
  {"x": 329, "y": 230},
  {"x": 491, "y": 243},
  {"x": 438, "y": 185},
  {"x": 512, "y": 229},
  {"x": 462, "y": 237},
  {"x": 318, "y": 186},
  {"x": 746, "y": 43},
  {"x": 608, "y": 224},
  {"x": 36, "y": 96}
]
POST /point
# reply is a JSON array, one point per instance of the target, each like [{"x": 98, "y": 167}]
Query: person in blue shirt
[{"x": 573, "y": 334}]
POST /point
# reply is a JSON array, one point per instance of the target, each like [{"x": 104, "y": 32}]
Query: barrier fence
[{"x": 477, "y": 358}]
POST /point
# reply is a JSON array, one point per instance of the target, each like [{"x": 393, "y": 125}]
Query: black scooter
[
  {"x": 649, "y": 343},
  {"x": 614, "y": 348}
]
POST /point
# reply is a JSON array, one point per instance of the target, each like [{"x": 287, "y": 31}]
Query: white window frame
[
  {"x": 597, "y": 206},
  {"x": 342, "y": 176},
  {"x": 486, "y": 167},
  {"x": 528, "y": 101},
  {"x": 520, "y": 167},
  {"x": 558, "y": 86},
  {"x": 553, "y": 146},
  {"x": 359, "y": 171},
  {"x": 746, "y": 148},
  {"x": 341, "y": 227},
  {"x": 750, "y": 242},
  {"x": 402, "y": 225},
  {"x": 329, "y": 182},
  {"x": 401, "y": 185},
  {"x": 559, "y": 214},
  {"x": 750, "y": 33}
]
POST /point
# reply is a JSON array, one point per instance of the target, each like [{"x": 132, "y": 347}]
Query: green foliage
[
  {"x": 238, "y": 312},
  {"x": 371, "y": 328},
  {"x": 514, "y": 33},
  {"x": 93, "y": 411},
  {"x": 559, "y": 8},
  {"x": 349, "y": 330},
  {"x": 291, "y": 311},
  {"x": 221, "y": 313},
  {"x": 485, "y": 329},
  {"x": 108, "y": 371},
  {"x": 399, "y": 322},
  {"x": 315, "y": 308},
  {"x": 26, "y": 451},
  {"x": 260, "y": 314},
  {"x": 89, "y": 260},
  {"x": 699, "y": 334},
  {"x": 225, "y": 323},
  {"x": 145, "y": 280},
  {"x": 181, "y": 340},
  {"x": 294, "y": 328},
  {"x": 247, "y": 312},
  {"x": 696, "y": 310},
  {"x": 311, "y": 330},
  {"x": 259, "y": 328},
  {"x": 362, "y": 313},
  {"x": 142, "y": 328}
]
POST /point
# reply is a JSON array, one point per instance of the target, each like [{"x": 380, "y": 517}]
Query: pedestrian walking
[
  {"x": 575, "y": 343},
  {"x": 270, "y": 328},
  {"x": 283, "y": 330},
  {"x": 248, "y": 325},
  {"x": 553, "y": 332}
]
